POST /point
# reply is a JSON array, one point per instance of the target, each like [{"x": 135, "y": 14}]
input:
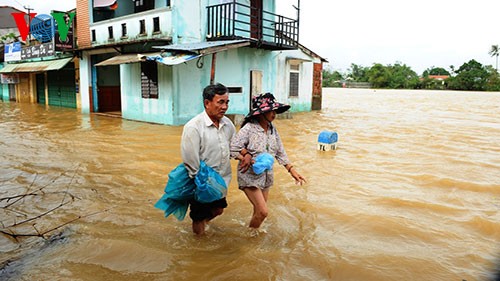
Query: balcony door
[{"x": 256, "y": 19}]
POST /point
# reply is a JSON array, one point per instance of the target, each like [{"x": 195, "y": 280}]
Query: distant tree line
[{"x": 471, "y": 76}]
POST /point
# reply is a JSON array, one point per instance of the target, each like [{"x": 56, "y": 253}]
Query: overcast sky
[{"x": 420, "y": 34}]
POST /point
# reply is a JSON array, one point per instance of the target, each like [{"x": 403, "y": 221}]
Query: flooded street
[{"x": 411, "y": 193}]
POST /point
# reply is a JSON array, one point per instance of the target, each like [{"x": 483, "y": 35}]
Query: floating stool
[{"x": 327, "y": 140}]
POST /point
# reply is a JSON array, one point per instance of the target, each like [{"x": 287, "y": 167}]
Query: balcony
[{"x": 265, "y": 30}]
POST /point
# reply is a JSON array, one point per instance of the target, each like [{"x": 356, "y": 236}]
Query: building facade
[{"x": 149, "y": 60}]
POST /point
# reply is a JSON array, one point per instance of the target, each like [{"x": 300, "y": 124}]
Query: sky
[{"x": 420, "y": 34}]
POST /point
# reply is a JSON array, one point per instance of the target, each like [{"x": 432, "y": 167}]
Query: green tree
[
  {"x": 379, "y": 76},
  {"x": 493, "y": 81},
  {"x": 402, "y": 76},
  {"x": 8, "y": 38},
  {"x": 435, "y": 71},
  {"x": 358, "y": 73},
  {"x": 494, "y": 52},
  {"x": 332, "y": 78},
  {"x": 471, "y": 76}
]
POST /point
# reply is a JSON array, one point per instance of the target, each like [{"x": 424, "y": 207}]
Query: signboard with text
[
  {"x": 38, "y": 51},
  {"x": 12, "y": 52}
]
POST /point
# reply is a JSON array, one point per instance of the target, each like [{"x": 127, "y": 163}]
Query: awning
[
  {"x": 205, "y": 48},
  {"x": 164, "y": 58},
  {"x": 297, "y": 60},
  {"x": 126, "y": 58},
  {"x": 38, "y": 66}
]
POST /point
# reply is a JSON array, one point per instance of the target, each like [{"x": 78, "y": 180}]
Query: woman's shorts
[{"x": 202, "y": 211}]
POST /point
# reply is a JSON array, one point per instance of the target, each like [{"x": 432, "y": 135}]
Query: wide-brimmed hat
[{"x": 264, "y": 103}]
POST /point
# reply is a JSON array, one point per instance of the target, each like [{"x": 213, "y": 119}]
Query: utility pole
[{"x": 29, "y": 23}]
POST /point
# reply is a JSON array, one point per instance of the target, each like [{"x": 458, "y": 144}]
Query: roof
[
  {"x": 311, "y": 53},
  {"x": 38, "y": 66},
  {"x": 439, "y": 77},
  {"x": 7, "y": 19}
]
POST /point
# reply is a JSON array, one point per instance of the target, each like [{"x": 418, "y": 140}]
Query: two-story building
[
  {"x": 149, "y": 60},
  {"x": 42, "y": 70}
]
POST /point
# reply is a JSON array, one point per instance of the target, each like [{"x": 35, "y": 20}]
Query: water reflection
[{"x": 411, "y": 193}]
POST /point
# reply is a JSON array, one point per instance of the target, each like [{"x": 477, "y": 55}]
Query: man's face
[{"x": 216, "y": 108}]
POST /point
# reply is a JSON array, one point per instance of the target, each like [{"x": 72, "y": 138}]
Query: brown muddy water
[{"x": 411, "y": 193}]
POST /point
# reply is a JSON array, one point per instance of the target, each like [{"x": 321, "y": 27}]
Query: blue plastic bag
[
  {"x": 210, "y": 186},
  {"x": 179, "y": 190},
  {"x": 206, "y": 187},
  {"x": 328, "y": 137},
  {"x": 170, "y": 206},
  {"x": 263, "y": 162}
]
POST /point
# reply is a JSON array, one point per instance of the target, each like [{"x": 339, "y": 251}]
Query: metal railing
[{"x": 235, "y": 20}]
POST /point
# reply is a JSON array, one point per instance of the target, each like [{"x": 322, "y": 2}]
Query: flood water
[{"x": 411, "y": 193}]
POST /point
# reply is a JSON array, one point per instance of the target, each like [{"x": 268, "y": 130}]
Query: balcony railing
[{"x": 239, "y": 21}]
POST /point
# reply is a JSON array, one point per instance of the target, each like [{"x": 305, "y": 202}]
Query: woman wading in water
[{"x": 257, "y": 136}]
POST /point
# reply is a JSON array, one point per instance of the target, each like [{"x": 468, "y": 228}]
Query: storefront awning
[
  {"x": 205, "y": 48},
  {"x": 38, "y": 66},
  {"x": 126, "y": 58},
  {"x": 177, "y": 53},
  {"x": 164, "y": 58}
]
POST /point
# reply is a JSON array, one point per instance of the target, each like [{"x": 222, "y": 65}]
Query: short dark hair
[{"x": 211, "y": 90}]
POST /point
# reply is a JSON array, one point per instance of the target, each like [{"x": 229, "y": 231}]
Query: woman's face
[{"x": 270, "y": 116}]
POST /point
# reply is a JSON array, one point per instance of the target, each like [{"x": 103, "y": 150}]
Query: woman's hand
[
  {"x": 246, "y": 163},
  {"x": 298, "y": 178}
]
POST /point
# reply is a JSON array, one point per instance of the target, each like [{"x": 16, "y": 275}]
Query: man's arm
[{"x": 190, "y": 150}]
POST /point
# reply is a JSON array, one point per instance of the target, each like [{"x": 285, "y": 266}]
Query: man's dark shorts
[{"x": 202, "y": 211}]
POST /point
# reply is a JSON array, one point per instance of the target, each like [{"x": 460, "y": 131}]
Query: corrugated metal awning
[
  {"x": 164, "y": 58},
  {"x": 297, "y": 60},
  {"x": 38, "y": 66},
  {"x": 125, "y": 58},
  {"x": 172, "y": 59},
  {"x": 205, "y": 48}
]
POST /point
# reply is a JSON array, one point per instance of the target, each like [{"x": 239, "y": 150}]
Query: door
[
  {"x": 256, "y": 19},
  {"x": 12, "y": 92},
  {"x": 255, "y": 85},
  {"x": 40, "y": 88},
  {"x": 62, "y": 89}
]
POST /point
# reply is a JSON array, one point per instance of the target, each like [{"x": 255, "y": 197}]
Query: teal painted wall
[
  {"x": 4, "y": 89},
  {"x": 135, "y": 107},
  {"x": 4, "y": 92},
  {"x": 181, "y": 86}
]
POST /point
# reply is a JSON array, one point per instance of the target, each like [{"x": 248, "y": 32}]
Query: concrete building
[{"x": 149, "y": 60}]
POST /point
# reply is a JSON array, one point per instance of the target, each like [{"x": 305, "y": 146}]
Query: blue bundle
[
  {"x": 328, "y": 137},
  {"x": 207, "y": 186},
  {"x": 210, "y": 186},
  {"x": 263, "y": 162}
]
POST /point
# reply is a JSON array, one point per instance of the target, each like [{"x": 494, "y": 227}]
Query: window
[
  {"x": 294, "y": 80},
  {"x": 93, "y": 35},
  {"x": 235, "y": 90},
  {"x": 142, "y": 27},
  {"x": 143, "y": 5},
  {"x": 156, "y": 24},
  {"x": 124, "y": 30},
  {"x": 149, "y": 80},
  {"x": 110, "y": 32}
]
